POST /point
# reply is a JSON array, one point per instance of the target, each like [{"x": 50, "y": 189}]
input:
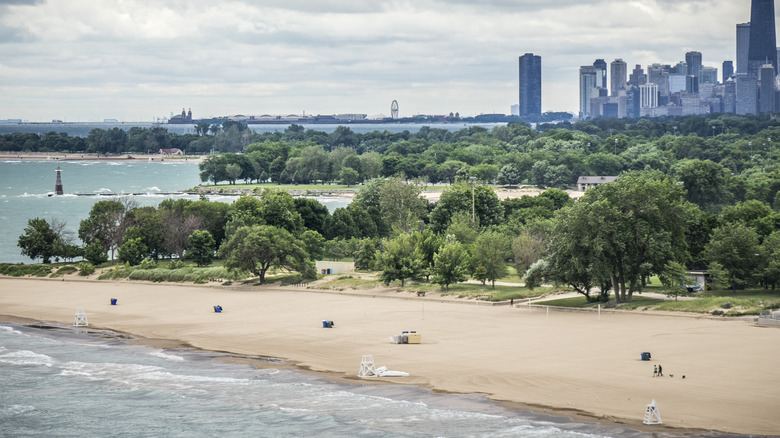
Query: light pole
[
  {"x": 615, "y": 146},
  {"x": 472, "y": 180},
  {"x": 750, "y": 143}
]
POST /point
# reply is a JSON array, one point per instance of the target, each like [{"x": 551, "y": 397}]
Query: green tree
[
  {"x": 428, "y": 244},
  {"x": 633, "y": 226},
  {"x": 314, "y": 244},
  {"x": 527, "y": 248},
  {"x": 458, "y": 198},
  {"x": 104, "y": 224},
  {"x": 38, "y": 240},
  {"x": 491, "y": 249},
  {"x": 348, "y": 176},
  {"x": 278, "y": 209},
  {"x": 450, "y": 265},
  {"x": 509, "y": 175},
  {"x": 233, "y": 172},
  {"x": 705, "y": 183},
  {"x": 132, "y": 251},
  {"x": 94, "y": 253},
  {"x": 258, "y": 248},
  {"x": 399, "y": 259},
  {"x": 201, "y": 247},
  {"x": 402, "y": 205},
  {"x": 735, "y": 247},
  {"x": 312, "y": 212},
  {"x": 770, "y": 253},
  {"x": 673, "y": 278}
]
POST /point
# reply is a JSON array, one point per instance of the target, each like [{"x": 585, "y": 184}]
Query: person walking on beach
[
  {"x": 655, "y": 370},
  {"x": 660, "y": 371}
]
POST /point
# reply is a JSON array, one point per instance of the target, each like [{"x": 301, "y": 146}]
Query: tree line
[{"x": 611, "y": 240}]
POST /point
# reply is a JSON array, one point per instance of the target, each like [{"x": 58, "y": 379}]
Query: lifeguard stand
[
  {"x": 652, "y": 415},
  {"x": 81, "y": 318},
  {"x": 367, "y": 368}
]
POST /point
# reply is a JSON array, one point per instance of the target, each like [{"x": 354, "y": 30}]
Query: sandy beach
[{"x": 569, "y": 363}]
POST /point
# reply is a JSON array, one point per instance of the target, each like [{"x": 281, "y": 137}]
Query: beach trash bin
[
  {"x": 218, "y": 308},
  {"x": 113, "y": 301},
  {"x": 645, "y": 356},
  {"x": 327, "y": 324}
]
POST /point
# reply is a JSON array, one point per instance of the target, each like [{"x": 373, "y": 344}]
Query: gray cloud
[{"x": 127, "y": 59}]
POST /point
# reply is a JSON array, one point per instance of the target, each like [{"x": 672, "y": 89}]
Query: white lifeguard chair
[
  {"x": 367, "y": 368},
  {"x": 652, "y": 415},
  {"x": 81, "y": 318}
]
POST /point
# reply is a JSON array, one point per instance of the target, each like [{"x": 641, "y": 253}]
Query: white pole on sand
[
  {"x": 599, "y": 312},
  {"x": 548, "y": 313}
]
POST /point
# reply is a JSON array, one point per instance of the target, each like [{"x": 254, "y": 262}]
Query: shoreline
[
  {"x": 539, "y": 412},
  {"x": 59, "y": 156},
  {"x": 466, "y": 349}
]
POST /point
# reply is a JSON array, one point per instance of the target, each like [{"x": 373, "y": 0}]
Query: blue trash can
[
  {"x": 324, "y": 324},
  {"x": 113, "y": 301},
  {"x": 218, "y": 309}
]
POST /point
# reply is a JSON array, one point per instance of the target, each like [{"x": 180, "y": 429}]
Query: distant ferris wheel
[{"x": 394, "y": 110}]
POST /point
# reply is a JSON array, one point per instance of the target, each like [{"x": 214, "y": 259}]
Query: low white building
[
  {"x": 586, "y": 182},
  {"x": 326, "y": 267}
]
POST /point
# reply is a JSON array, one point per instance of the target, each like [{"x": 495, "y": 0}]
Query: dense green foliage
[{"x": 688, "y": 196}]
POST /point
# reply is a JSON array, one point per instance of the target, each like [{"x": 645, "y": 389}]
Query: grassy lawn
[
  {"x": 638, "y": 302},
  {"x": 470, "y": 290},
  {"x": 748, "y": 302},
  {"x": 349, "y": 282}
]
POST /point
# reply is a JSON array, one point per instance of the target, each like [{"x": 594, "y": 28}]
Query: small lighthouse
[{"x": 58, "y": 185}]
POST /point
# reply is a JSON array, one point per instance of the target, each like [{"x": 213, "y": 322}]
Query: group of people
[{"x": 658, "y": 371}]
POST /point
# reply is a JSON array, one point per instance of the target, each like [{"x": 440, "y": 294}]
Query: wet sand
[{"x": 564, "y": 362}]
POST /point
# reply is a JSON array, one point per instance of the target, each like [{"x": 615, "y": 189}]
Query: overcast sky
[{"x": 133, "y": 60}]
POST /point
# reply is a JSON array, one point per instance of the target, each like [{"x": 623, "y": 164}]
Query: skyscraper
[
  {"x": 746, "y": 92},
  {"x": 601, "y": 72},
  {"x": 588, "y": 89},
  {"x": 728, "y": 70},
  {"x": 618, "y": 76},
  {"x": 766, "y": 90},
  {"x": 530, "y": 85},
  {"x": 743, "y": 46},
  {"x": 693, "y": 59},
  {"x": 763, "y": 40}
]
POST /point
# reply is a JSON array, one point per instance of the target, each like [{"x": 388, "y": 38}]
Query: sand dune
[{"x": 564, "y": 360}]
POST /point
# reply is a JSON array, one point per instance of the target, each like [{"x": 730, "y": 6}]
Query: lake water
[
  {"x": 71, "y": 382},
  {"x": 82, "y": 129},
  {"x": 25, "y": 187}
]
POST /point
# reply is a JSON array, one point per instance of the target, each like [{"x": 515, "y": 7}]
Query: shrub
[
  {"x": 147, "y": 264},
  {"x": 176, "y": 264},
  {"x": 86, "y": 268},
  {"x": 21, "y": 270},
  {"x": 65, "y": 270}
]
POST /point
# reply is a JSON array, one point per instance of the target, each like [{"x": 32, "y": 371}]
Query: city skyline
[{"x": 125, "y": 60}]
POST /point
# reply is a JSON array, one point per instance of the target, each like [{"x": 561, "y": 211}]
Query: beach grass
[
  {"x": 349, "y": 282},
  {"x": 477, "y": 291},
  {"x": 183, "y": 275},
  {"x": 22, "y": 270},
  {"x": 65, "y": 270}
]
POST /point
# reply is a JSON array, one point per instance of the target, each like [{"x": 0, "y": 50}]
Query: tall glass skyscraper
[
  {"x": 743, "y": 46},
  {"x": 763, "y": 40},
  {"x": 530, "y": 85}
]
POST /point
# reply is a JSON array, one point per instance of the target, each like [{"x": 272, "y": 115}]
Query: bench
[{"x": 421, "y": 293}]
